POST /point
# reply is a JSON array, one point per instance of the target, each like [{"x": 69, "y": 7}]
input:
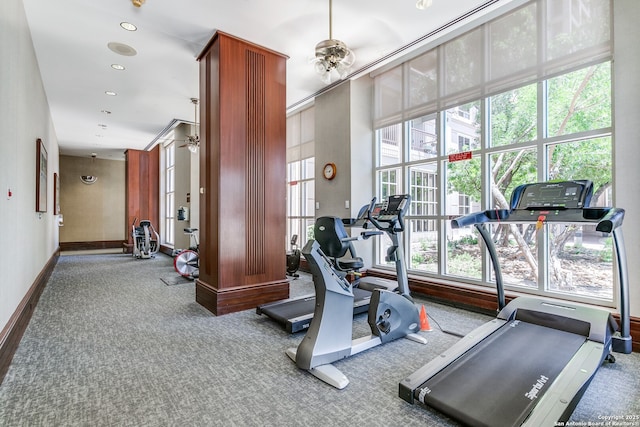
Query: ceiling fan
[
  {"x": 332, "y": 56},
  {"x": 193, "y": 141}
]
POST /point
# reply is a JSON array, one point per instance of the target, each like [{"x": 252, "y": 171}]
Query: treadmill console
[
  {"x": 393, "y": 207},
  {"x": 552, "y": 195}
]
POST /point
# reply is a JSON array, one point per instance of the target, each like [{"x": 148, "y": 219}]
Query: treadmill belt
[
  {"x": 301, "y": 308},
  {"x": 292, "y": 309},
  {"x": 497, "y": 382}
]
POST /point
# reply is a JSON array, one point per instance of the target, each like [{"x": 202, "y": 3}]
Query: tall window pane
[
  {"x": 294, "y": 198},
  {"x": 464, "y": 185},
  {"x": 513, "y": 42},
  {"x": 462, "y": 128},
  {"x": 423, "y": 244},
  {"x": 514, "y": 116},
  {"x": 508, "y": 170},
  {"x": 581, "y": 259},
  {"x": 580, "y": 101},
  {"x": 516, "y": 245},
  {"x": 423, "y": 78},
  {"x": 464, "y": 252},
  {"x": 169, "y": 197},
  {"x": 389, "y": 141},
  {"x": 424, "y": 190},
  {"x": 423, "y": 138},
  {"x": 300, "y": 198},
  {"x": 422, "y": 228},
  {"x": 388, "y": 93},
  {"x": 463, "y": 62},
  {"x": 576, "y": 25},
  {"x": 389, "y": 182}
]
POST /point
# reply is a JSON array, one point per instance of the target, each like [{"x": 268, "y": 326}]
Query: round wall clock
[{"x": 329, "y": 171}]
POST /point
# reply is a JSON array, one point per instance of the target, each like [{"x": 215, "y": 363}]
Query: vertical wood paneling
[
  {"x": 255, "y": 167},
  {"x": 142, "y": 199}
]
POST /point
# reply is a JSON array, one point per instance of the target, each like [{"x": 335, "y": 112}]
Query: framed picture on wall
[{"x": 41, "y": 176}]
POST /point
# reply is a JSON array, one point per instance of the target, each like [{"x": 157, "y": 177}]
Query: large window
[
  {"x": 300, "y": 176},
  {"x": 540, "y": 109},
  {"x": 169, "y": 193},
  {"x": 301, "y": 199}
]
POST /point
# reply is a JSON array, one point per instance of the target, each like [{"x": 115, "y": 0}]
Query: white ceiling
[{"x": 71, "y": 37}]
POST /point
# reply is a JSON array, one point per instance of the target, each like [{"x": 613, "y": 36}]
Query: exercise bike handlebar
[{"x": 362, "y": 236}]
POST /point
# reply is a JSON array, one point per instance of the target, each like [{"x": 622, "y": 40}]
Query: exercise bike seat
[{"x": 330, "y": 233}]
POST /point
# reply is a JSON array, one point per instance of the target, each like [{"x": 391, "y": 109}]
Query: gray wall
[
  {"x": 343, "y": 136},
  {"x": 29, "y": 239}
]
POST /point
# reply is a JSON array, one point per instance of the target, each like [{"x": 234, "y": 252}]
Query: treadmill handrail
[{"x": 607, "y": 220}]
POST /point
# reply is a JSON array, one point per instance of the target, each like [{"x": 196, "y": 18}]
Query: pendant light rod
[{"x": 330, "y": 21}]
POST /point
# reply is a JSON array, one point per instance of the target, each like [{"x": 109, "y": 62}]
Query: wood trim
[
  {"x": 230, "y": 300},
  {"x": 12, "y": 333},
  {"x": 483, "y": 301},
  {"x": 98, "y": 244},
  {"x": 217, "y": 34},
  {"x": 167, "y": 250}
]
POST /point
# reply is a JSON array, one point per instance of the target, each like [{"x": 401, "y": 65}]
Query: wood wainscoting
[
  {"x": 83, "y": 246},
  {"x": 12, "y": 333},
  {"x": 479, "y": 300}
]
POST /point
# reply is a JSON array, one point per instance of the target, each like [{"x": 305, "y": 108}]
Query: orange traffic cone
[{"x": 424, "y": 320}]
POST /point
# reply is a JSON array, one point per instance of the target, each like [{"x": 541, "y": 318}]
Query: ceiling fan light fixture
[
  {"x": 137, "y": 3},
  {"x": 423, "y": 4},
  {"x": 332, "y": 54},
  {"x": 193, "y": 141}
]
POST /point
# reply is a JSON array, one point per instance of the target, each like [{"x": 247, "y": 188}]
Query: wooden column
[
  {"x": 242, "y": 175},
  {"x": 142, "y": 199}
]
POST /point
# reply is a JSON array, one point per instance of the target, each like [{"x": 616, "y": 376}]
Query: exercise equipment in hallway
[
  {"x": 187, "y": 262},
  {"x": 293, "y": 258},
  {"x": 145, "y": 239}
]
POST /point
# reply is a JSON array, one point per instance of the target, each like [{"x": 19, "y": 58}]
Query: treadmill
[
  {"x": 531, "y": 365},
  {"x": 295, "y": 314}
]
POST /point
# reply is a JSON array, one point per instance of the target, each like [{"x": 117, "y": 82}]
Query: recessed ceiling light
[
  {"x": 121, "y": 49},
  {"x": 128, "y": 26},
  {"x": 117, "y": 67},
  {"x": 110, "y": 93}
]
